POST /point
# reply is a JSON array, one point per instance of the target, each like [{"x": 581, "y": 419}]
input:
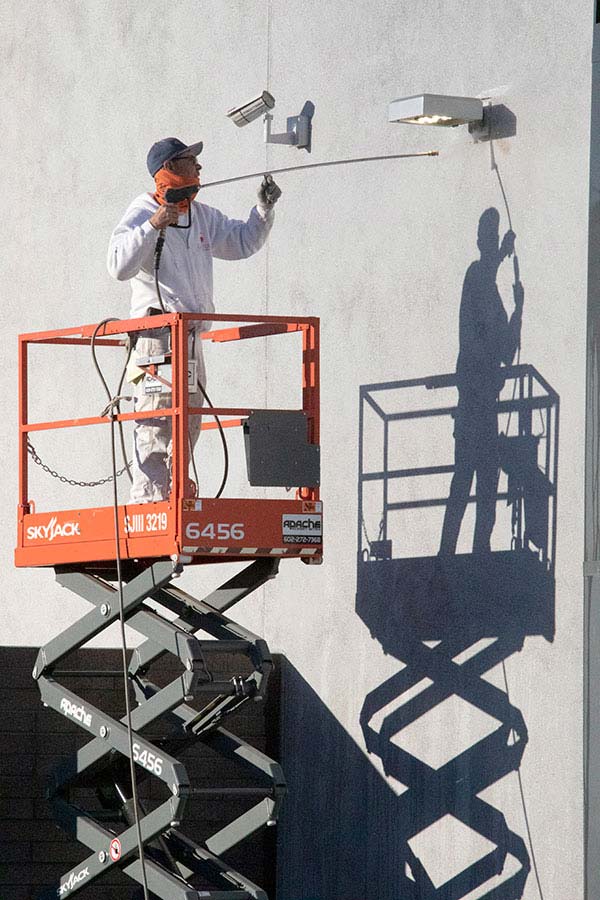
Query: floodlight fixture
[
  {"x": 436, "y": 109},
  {"x": 248, "y": 112}
]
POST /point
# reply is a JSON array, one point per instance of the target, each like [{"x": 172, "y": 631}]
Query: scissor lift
[{"x": 155, "y": 542}]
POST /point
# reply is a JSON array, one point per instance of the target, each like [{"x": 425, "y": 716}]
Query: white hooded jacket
[{"x": 186, "y": 269}]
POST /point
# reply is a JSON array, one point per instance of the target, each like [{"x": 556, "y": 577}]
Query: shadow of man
[{"x": 488, "y": 339}]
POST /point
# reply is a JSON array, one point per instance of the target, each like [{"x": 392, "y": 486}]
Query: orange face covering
[{"x": 165, "y": 179}]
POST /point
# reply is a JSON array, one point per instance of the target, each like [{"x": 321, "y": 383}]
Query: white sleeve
[
  {"x": 234, "y": 239},
  {"x": 131, "y": 244}
]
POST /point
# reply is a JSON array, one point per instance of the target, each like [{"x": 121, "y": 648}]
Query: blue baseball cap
[{"x": 169, "y": 148}]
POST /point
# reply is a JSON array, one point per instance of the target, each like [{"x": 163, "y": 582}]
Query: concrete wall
[{"x": 380, "y": 252}]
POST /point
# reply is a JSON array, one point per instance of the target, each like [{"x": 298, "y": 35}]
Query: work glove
[
  {"x": 507, "y": 248},
  {"x": 268, "y": 193},
  {"x": 519, "y": 295}
]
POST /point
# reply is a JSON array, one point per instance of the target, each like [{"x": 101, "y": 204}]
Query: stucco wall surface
[{"x": 380, "y": 252}]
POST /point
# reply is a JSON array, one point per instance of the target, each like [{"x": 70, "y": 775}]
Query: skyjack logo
[
  {"x": 52, "y": 530},
  {"x": 75, "y": 712},
  {"x": 72, "y": 881}
]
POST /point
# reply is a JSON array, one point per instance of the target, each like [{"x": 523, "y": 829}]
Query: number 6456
[
  {"x": 220, "y": 531},
  {"x": 147, "y": 759}
]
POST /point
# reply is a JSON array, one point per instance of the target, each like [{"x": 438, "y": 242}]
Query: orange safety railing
[{"x": 112, "y": 333}]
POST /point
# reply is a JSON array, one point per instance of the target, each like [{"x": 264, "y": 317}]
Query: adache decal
[
  {"x": 304, "y": 529},
  {"x": 76, "y": 712}
]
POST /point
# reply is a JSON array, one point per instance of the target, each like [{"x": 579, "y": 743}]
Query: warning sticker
[
  {"x": 163, "y": 383},
  {"x": 193, "y": 505},
  {"x": 115, "y": 850},
  {"x": 304, "y": 529}
]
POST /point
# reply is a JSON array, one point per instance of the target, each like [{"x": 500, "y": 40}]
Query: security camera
[{"x": 248, "y": 112}]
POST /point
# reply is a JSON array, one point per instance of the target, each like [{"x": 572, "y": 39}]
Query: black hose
[
  {"x": 107, "y": 389},
  {"x": 224, "y": 442},
  {"x": 114, "y": 408},
  {"x": 160, "y": 242},
  {"x": 157, "y": 255}
]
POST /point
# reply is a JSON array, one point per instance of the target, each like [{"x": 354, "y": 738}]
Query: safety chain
[
  {"x": 62, "y": 478},
  {"x": 364, "y": 528}
]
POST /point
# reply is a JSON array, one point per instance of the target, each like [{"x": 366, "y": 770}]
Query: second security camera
[{"x": 248, "y": 112}]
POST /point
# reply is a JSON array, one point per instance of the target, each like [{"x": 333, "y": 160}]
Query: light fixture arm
[
  {"x": 298, "y": 131},
  {"x": 285, "y": 137}
]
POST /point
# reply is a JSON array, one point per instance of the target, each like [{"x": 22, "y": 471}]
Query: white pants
[{"x": 152, "y": 438}]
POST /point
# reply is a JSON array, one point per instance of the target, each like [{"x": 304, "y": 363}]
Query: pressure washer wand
[{"x": 336, "y": 162}]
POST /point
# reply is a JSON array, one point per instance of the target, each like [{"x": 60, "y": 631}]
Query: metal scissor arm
[{"x": 164, "y": 723}]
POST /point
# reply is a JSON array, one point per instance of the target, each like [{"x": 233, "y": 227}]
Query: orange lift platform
[
  {"x": 186, "y": 527},
  {"x": 143, "y": 547}
]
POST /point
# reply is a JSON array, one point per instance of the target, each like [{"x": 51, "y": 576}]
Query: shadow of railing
[{"x": 451, "y": 618}]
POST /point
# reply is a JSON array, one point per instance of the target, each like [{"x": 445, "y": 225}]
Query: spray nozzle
[{"x": 176, "y": 195}]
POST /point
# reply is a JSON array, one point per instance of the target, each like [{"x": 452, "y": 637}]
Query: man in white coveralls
[{"x": 186, "y": 283}]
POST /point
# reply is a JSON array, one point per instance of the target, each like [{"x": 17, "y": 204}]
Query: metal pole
[{"x": 335, "y": 162}]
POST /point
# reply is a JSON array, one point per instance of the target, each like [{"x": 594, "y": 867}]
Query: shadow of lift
[
  {"x": 451, "y": 619},
  {"x": 507, "y": 591}
]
